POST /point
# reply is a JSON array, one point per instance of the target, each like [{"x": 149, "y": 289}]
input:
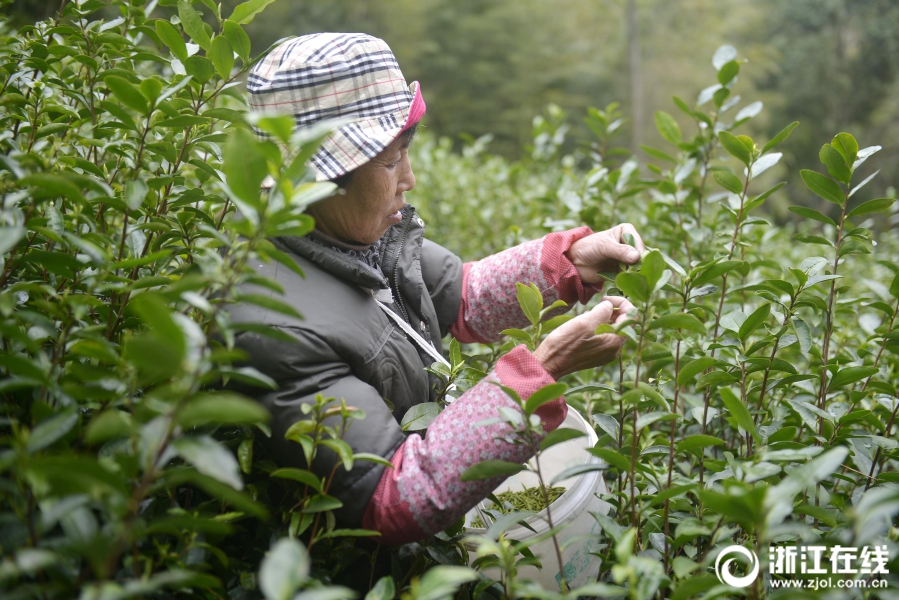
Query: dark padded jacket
[{"x": 348, "y": 348}]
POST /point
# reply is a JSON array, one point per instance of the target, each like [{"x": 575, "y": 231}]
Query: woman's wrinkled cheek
[{"x": 380, "y": 200}]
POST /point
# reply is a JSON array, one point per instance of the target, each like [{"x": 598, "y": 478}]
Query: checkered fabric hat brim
[{"x": 337, "y": 75}]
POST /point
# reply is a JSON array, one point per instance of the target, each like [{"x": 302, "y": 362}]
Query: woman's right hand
[{"x": 574, "y": 346}]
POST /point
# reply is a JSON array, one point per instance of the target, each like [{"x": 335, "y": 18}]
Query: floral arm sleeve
[
  {"x": 489, "y": 299},
  {"x": 423, "y": 494}
]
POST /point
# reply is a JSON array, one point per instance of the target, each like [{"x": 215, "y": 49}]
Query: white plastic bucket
[{"x": 572, "y": 509}]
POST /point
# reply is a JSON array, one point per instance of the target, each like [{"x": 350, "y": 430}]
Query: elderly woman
[{"x": 378, "y": 298}]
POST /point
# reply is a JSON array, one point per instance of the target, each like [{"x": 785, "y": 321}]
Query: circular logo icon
[{"x": 722, "y": 570}]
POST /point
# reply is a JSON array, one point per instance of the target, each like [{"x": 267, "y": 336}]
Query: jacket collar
[{"x": 344, "y": 266}]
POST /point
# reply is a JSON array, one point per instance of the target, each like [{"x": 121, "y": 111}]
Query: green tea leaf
[
  {"x": 384, "y": 589},
  {"x": 652, "y": 268},
  {"x": 108, "y": 425},
  {"x": 695, "y": 367},
  {"x": 200, "y": 68},
  {"x": 239, "y": 39},
  {"x": 245, "y": 456},
  {"x": 47, "y": 432},
  {"x": 803, "y": 333},
  {"x": 779, "y": 499},
  {"x": 693, "y": 442},
  {"x": 715, "y": 378},
  {"x": 848, "y": 375},
  {"x": 668, "y": 127},
  {"x": 245, "y": 166},
  {"x": 245, "y": 13},
  {"x": 739, "y": 412},
  {"x": 284, "y": 569},
  {"x": 420, "y": 416},
  {"x": 530, "y": 301},
  {"x": 677, "y": 321},
  {"x": 557, "y": 436},
  {"x": 369, "y": 457},
  {"x": 342, "y": 533},
  {"x": 171, "y": 38},
  {"x": 657, "y": 154},
  {"x": 753, "y": 321},
  {"x": 728, "y": 71},
  {"x": 322, "y": 503},
  {"x": 729, "y": 181},
  {"x": 210, "y": 458},
  {"x": 67, "y": 474},
  {"x": 342, "y": 449},
  {"x": 714, "y": 271},
  {"x": 809, "y": 213},
  {"x": 780, "y": 137},
  {"x": 239, "y": 501},
  {"x": 823, "y": 186},
  {"x": 835, "y": 164},
  {"x": 443, "y": 581},
  {"x": 127, "y": 94},
  {"x": 846, "y": 145},
  {"x": 545, "y": 394},
  {"x": 611, "y": 457},
  {"x": 491, "y": 468},
  {"x": 734, "y": 147},
  {"x": 871, "y": 206},
  {"x": 222, "y": 56},
  {"x": 634, "y": 285},
  {"x": 193, "y": 25},
  {"x": 221, "y": 407}
]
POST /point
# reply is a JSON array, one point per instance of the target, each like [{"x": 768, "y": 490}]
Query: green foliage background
[
  {"x": 755, "y": 402},
  {"x": 487, "y": 67}
]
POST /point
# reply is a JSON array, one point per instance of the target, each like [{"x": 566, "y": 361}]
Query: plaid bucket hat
[{"x": 338, "y": 76}]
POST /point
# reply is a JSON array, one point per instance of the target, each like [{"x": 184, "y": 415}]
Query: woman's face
[{"x": 372, "y": 200}]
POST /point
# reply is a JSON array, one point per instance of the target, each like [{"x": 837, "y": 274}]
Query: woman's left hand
[{"x": 602, "y": 251}]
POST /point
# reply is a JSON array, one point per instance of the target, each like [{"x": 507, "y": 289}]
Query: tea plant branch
[
  {"x": 706, "y": 158},
  {"x": 875, "y": 364},
  {"x": 671, "y": 452},
  {"x": 635, "y": 432},
  {"x": 787, "y": 317},
  {"x": 563, "y": 583},
  {"x": 620, "y": 413},
  {"x": 708, "y": 393},
  {"x": 121, "y": 541},
  {"x": 828, "y": 317},
  {"x": 883, "y": 344},
  {"x": 885, "y": 433},
  {"x": 113, "y": 324},
  {"x": 730, "y": 254}
]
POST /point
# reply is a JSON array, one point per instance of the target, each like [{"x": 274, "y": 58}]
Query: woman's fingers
[
  {"x": 621, "y": 306},
  {"x": 628, "y": 228},
  {"x": 617, "y": 249},
  {"x": 601, "y": 313}
]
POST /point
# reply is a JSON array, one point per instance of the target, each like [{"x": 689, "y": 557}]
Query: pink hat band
[{"x": 418, "y": 108}]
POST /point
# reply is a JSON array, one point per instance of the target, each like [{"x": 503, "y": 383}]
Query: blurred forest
[{"x": 490, "y": 66}]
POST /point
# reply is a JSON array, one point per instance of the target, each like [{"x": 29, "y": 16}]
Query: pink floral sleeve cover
[
  {"x": 423, "y": 493},
  {"x": 489, "y": 298}
]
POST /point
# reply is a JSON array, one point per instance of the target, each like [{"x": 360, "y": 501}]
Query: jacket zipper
[{"x": 396, "y": 274}]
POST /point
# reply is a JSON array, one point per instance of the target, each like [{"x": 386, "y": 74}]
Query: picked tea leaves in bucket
[{"x": 530, "y": 499}]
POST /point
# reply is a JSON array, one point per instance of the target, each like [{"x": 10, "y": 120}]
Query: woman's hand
[
  {"x": 603, "y": 250},
  {"x": 574, "y": 346}
]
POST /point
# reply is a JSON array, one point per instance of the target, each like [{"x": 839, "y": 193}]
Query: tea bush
[{"x": 755, "y": 401}]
